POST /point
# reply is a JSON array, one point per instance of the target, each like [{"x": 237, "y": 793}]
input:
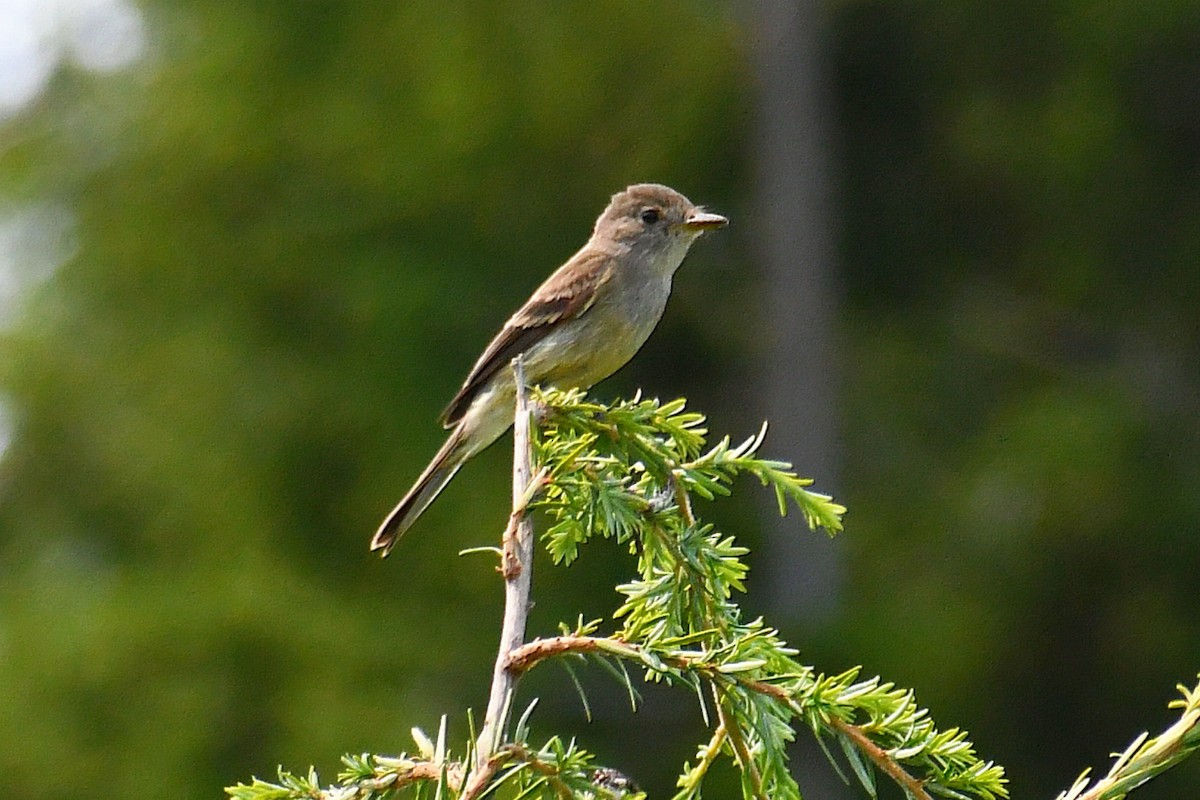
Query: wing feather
[{"x": 565, "y": 295}]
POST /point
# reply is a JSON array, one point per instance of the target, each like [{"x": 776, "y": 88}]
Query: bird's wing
[{"x": 565, "y": 295}]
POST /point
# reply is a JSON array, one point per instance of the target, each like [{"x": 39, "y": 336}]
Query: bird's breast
[{"x": 602, "y": 339}]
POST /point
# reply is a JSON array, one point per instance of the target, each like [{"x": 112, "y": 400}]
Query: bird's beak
[{"x": 700, "y": 220}]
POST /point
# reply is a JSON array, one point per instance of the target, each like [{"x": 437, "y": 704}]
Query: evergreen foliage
[{"x": 629, "y": 472}]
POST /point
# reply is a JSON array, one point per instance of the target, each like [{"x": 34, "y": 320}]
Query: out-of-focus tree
[
  {"x": 1022, "y": 238},
  {"x": 285, "y": 232}
]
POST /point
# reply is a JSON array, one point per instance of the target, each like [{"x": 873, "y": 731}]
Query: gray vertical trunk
[{"x": 801, "y": 572}]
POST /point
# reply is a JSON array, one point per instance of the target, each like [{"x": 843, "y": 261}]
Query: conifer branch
[
  {"x": 634, "y": 472},
  {"x": 517, "y": 568},
  {"x": 1146, "y": 757}
]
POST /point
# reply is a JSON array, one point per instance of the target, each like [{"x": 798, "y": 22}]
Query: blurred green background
[{"x": 248, "y": 251}]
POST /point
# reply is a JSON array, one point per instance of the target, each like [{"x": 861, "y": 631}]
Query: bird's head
[{"x": 650, "y": 216}]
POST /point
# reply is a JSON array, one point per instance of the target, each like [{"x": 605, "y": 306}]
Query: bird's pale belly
[
  {"x": 575, "y": 356},
  {"x": 587, "y": 352}
]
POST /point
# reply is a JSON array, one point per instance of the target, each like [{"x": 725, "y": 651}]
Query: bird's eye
[{"x": 650, "y": 215}]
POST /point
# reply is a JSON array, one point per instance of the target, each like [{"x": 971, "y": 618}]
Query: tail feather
[{"x": 435, "y": 477}]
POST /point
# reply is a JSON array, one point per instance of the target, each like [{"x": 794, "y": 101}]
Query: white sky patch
[
  {"x": 35, "y": 240},
  {"x": 37, "y": 35},
  {"x": 6, "y": 426}
]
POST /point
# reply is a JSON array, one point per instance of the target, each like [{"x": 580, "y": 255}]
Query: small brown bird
[{"x": 580, "y": 326}]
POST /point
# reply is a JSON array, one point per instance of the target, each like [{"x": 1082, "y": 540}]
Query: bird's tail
[{"x": 435, "y": 477}]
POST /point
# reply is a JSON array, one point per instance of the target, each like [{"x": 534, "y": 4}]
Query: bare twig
[
  {"x": 516, "y": 566},
  {"x": 744, "y": 756},
  {"x": 483, "y": 774},
  {"x": 882, "y": 760},
  {"x": 527, "y": 656},
  {"x": 682, "y": 499}
]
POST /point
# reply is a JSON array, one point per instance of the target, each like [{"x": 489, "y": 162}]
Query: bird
[{"x": 581, "y": 325}]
